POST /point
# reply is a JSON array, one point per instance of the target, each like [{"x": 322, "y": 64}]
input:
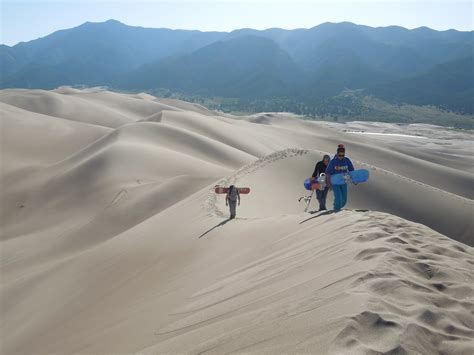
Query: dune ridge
[{"x": 113, "y": 240}]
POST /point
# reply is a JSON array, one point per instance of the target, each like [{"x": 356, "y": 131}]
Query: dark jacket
[
  {"x": 319, "y": 169},
  {"x": 233, "y": 194}
]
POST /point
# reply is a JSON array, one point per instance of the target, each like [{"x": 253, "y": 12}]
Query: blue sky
[{"x": 24, "y": 20}]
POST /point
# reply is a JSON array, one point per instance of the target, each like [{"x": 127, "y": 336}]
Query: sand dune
[
  {"x": 387, "y": 191},
  {"x": 30, "y": 139},
  {"x": 444, "y": 146},
  {"x": 113, "y": 241},
  {"x": 102, "y": 108}
]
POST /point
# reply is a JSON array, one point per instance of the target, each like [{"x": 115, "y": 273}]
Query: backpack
[{"x": 233, "y": 193}]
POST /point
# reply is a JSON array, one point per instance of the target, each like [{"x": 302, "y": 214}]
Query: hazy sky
[{"x": 24, "y": 20}]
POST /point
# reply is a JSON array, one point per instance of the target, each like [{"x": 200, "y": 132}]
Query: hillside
[
  {"x": 429, "y": 87},
  {"x": 248, "y": 66},
  {"x": 93, "y": 54},
  {"x": 301, "y": 67}
]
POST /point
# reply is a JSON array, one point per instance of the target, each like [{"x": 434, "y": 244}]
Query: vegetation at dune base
[{"x": 350, "y": 105}]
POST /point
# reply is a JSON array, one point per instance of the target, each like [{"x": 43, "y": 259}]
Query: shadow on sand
[
  {"x": 218, "y": 225},
  {"x": 325, "y": 213}
]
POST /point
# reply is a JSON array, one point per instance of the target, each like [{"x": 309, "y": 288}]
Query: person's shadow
[
  {"x": 325, "y": 213},
  {"x": 218, "y": 225}
]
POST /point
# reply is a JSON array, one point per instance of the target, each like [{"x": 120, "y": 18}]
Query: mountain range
[{"x": 302, "y": 66}]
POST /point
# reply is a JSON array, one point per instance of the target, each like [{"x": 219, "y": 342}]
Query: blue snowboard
[
  {"x": 319, "y": 184},
  {"x": 307, "y": 184},
  {"x": 356, "y": 177}
]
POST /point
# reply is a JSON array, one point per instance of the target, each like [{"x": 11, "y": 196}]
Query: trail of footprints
[
  {"x": 421, "y": 293},
  {"x": 211, "y": 201},
  {"x": 419, "y": 183},
  {"x": 213, "y": 210}
]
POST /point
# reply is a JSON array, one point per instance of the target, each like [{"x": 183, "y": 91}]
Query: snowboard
[
  {"x": 224, "y": 190},
  {"x": 356, "y": 177},
  {"x": 319, "y": 184}
]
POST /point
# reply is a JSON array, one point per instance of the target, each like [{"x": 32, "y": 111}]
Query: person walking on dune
[
  {"x": 340, "y": 164},
  {"x": 319, "y": 169},
  {"x": 231, "y": 200}
]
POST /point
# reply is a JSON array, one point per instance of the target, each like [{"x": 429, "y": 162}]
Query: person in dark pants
[
  {"x": 231, "y": 200},
  {"x": 319, "y": 169}
]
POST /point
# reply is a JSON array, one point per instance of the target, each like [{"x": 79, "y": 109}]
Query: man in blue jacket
[{"x": 340, "y": 164}]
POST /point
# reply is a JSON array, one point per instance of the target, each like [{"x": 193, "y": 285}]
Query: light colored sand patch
[{"x": 387, "y": 134}]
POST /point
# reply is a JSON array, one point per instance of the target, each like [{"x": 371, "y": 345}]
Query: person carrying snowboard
[
  {"x": 319, "y": 169},
  {"x": 231, "y": 199},
  {"x": 340, "y": 164}
]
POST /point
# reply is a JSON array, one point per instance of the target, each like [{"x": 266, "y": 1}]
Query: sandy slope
[
  {"x": 112, "y": 239},
  {"x": 433, "y": 143}
]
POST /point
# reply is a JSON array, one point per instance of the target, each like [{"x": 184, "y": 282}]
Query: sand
[{"x": 113, "y": 241}]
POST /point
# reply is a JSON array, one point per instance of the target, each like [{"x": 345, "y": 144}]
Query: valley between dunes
[{"x": 113, "y": 240}]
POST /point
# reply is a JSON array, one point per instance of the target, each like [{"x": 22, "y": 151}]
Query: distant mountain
[
  {"x": 245, "y": 66},
  {"x": 340, "y": 70},
  {"x": 301, "y": 66},
  {"x": 448, "y": 85},
  {"x": 395, "y": 50},
  {"x": 93, "y": 53}
]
